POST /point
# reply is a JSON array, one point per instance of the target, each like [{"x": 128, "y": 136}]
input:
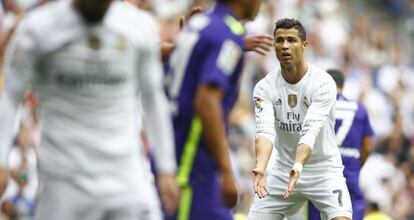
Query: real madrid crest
[
  {"x": 292, "y": 100},
  {"x": 94, "y": 42}
]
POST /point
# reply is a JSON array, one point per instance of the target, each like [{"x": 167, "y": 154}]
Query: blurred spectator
[
  {"x": 380, "y": 181},
  {"x": 22, "y": 186},
  {"x": 396, "y": 144}
]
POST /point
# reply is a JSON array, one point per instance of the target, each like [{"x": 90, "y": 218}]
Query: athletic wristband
[{"x": 298, "y": 167}]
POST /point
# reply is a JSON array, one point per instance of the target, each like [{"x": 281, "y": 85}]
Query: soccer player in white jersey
[
  {"x": 295, "y": 113},
  {"x": 88, "y": 61}
]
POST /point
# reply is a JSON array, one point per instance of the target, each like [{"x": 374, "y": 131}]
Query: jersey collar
[{"x": 229, "y": 19}]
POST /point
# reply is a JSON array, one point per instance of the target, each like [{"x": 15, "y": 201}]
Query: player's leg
[
  {"x": 329, "y": 193},
  {"x": 273, "y": 206},
  {"x": 312, "y": 212},
  {"x": 265, "y": 216},
  {"x": 357, "y": 198},
  {"x": 342, "y": 218},
  {"x": 358, "y": 209},
  {"x": 203, "y": 202},
  {"x": 58, "y": 199}
]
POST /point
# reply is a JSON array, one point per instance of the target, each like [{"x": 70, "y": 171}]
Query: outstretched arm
[
  {"x": 303, "y": 152},
  {"x": 159, "y": 126},
  {"x": 316, "y": 116},
  {"x": 367, "y": 148},
  {"x": 260, "y": 44},
  {"x": 367, "y": 142},
  {"x": 167, "y": 47},
  {"x": 265, "y": 136},
  {"x": 263, "y": 149},
  {"x": 184, "y": 19}
]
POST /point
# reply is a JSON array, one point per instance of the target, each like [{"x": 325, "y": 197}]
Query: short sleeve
[{"x": 220, "y": 62}]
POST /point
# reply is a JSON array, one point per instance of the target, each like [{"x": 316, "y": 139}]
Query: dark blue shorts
[{"x": 201, "y": 203}]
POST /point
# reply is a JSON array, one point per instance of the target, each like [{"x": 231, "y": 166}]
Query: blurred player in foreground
[
  {"x": 294, "y": 108},
  {"x": 206, "y": 67},
  {"x": 88, "y": 61},
  {"x": 354, "y": 137}
]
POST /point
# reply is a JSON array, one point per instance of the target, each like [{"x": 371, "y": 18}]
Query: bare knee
[{"x": 341, "y": 218}]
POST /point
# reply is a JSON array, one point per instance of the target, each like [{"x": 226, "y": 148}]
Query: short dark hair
[
  {"x": 288, "y": 23},
  {"x": 373, "y": 206},
  {"x": 337, "y": 76}
]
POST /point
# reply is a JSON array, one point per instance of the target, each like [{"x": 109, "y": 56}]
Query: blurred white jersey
[
  {"x": 88, "y": 78},
  {"x": 288, "y": 115}
]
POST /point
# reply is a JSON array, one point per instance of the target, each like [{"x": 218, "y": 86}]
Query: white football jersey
[
  {"x": 288, "y": 115},
  {"x": 88, "y": 78}
]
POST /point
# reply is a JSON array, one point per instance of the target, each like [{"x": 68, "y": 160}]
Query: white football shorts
[{"x": 327, "y": 190}]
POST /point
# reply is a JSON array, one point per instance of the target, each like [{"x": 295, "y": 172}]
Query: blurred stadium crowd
[{"x": 371, "y": 41}]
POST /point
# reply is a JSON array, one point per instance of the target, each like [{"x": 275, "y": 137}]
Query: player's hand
[
  {"x": 184, "y": 19},
  {"x": 260, "y": 44},
  {"x": 4, "y": 179},
  {"x": 229, "y": 192},
  {"x": 260, "y": 183},
  {"x": 294, "y": 176},
  {"x": 169, "y": 192}
]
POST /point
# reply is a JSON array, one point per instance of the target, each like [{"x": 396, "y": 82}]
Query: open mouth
[{"x": 286, "y": 55}]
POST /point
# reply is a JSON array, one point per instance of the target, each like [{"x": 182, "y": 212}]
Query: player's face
[
  {"x": 250, "y": 8},
  {"x": 289, "y": 47},
  {"x": 92, "y": 11}
]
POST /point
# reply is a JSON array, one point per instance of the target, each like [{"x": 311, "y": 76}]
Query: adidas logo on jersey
[{"x": 279, "y": 102}]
